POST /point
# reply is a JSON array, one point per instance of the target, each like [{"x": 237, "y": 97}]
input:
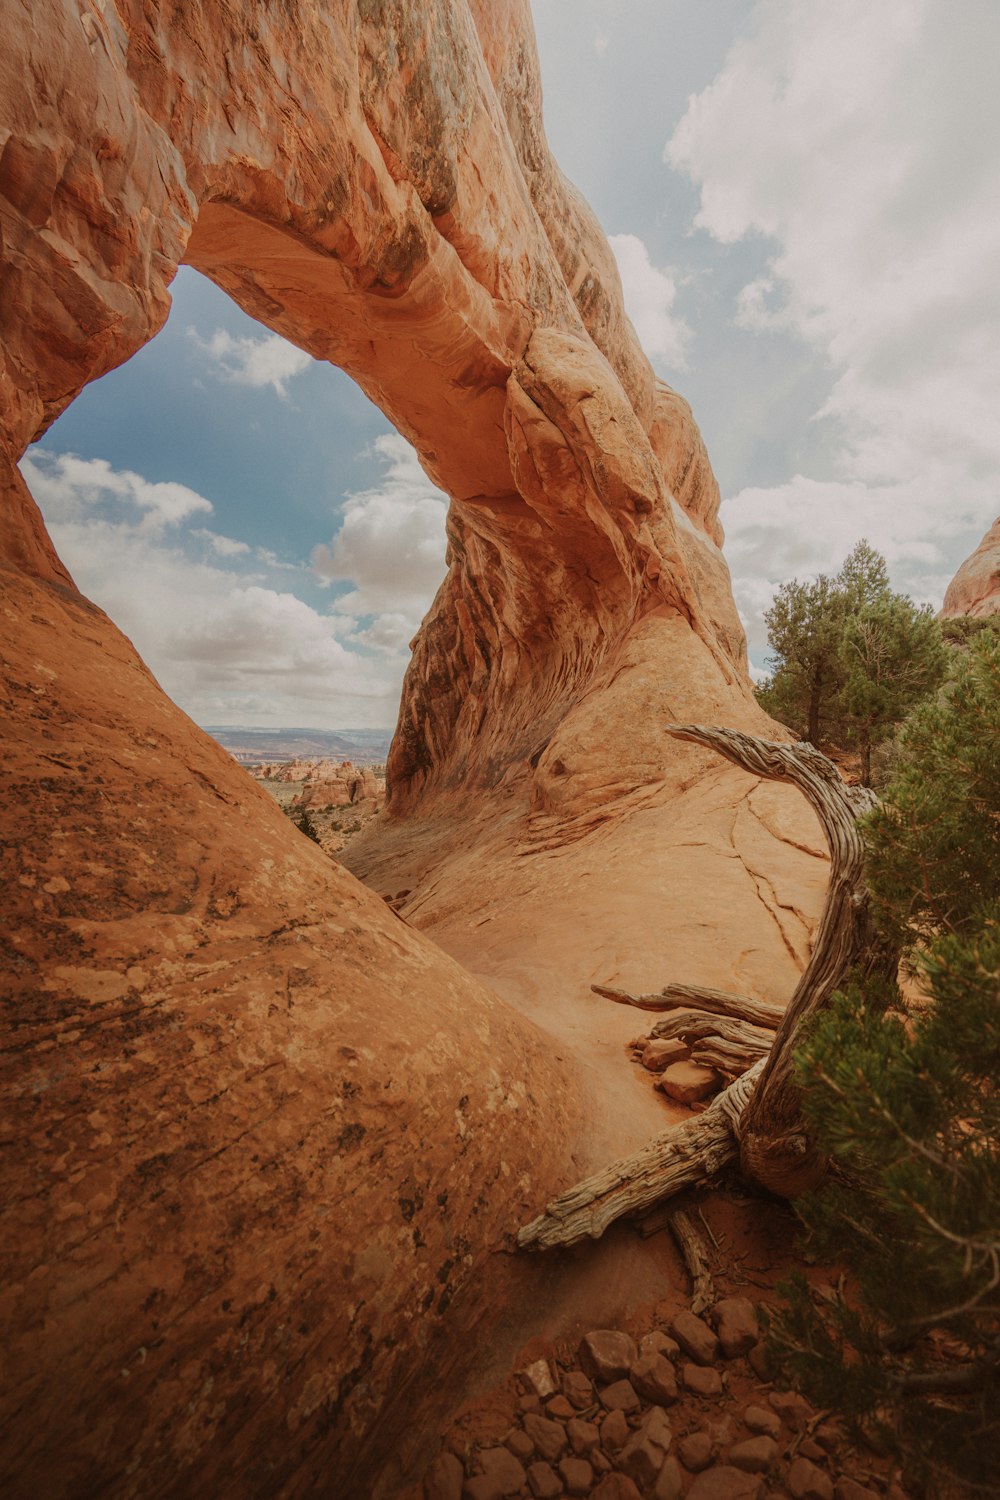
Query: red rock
[
  {"x": 669, "y": 1481},
  {"x": 736, "y": 1325},
  {"x": 614, "y": 1431},
  {"x": 793, "y": 1409},
  {"x": 695, "y": 1337},
  {"x": 725, "y": 1483},
  {"x": 599, "y": 1461},
  {"x": 975, "y": 588},
  {"x": 759, "y": 1419},
  {"x": 689, "y": 1082},
  {"x": 760, "y": 1362},
  {"x": 701, "y": 1380},
  {"x": 577, "y": 1389},
  {"x": 443, "y": 1480},
  {"x": 520, "y": 1445},
  {"x": 544, "y": 1482},
  {"x": 583, "y": 1436},
  {"x": 502, "y": 1475},
  {"x": 849, "y": 1489},
  {"x": 830, "y": 1436},
  {"x": 655, "y": 1379},
  {"x": 529, "y": 1402},
  {"x": 695, "y": 1451},
  {"x": 548, "y": 1437},
  {"x": 616, "y": 1487},
  {"x": 559, "y": 1408},
  {"x": 620, "y": 1396},
  {"x": 662, "y": 1051},
  {"x": 806, "y": 1481},
  {"x": 537, "y": 1379},
  {"x": 809, "y": 1448},
  {"x": 577, "y": 1475},
  {"x": 755, "y": 1455},
  {"x": 606, "y": 1354},
  {"x": 643, "y": 1455},
  {"x": 659, "y": 1342}
]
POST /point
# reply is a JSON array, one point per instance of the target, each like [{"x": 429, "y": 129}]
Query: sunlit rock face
[
  {"x": 263, "y": 1137},
  {"x": 975, "y": 588}
]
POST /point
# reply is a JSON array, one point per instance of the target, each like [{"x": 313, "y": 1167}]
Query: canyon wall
[{"x": 263, "y": 1137}]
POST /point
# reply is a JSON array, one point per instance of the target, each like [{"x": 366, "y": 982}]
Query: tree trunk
[{"x": 759, "y": 1115}]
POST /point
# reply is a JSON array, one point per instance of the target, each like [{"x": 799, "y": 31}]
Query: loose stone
[
  {"x": 695, "y": 1451},
  {"x": 559, "y": 1407},
  {"x": 577, "y": 1475},
  {"x": 689, "y": 1082},
  {"x": 793, "y": 1409},
  {"x": 654, "y": 1378},
  {"x": 620, "y": 1397},
  {"x": 616, "y": 1487},
  {"x": 643, "y": 1455},
  {"x": 755, "y": 1455},
  {"x": 544, "y": 1482},
  {"x": 520, "y": 1444},
  {"x": 669, "y": 1481},
  {"x": 606, "y": 1354},
  {"x": 443, "y": 1480},
  {"x": 849, "y": 1489},
  {"x": 808, "y": 1482},
  {"x": 502, "y": 1475},
  {"x": 537, "y": 1379},
  {"x": 736, "y": 1326},
  {"x": 577, "y": 1389},
  {"x": 702, "y": 1381},
  {"x": 659, "y": 1342},
  {"x": 614, "y": 1431},
  {"x": 583, "y": 1436},
  {"x": 695, "y": 1338},
  {"x": 548, "y": 1437},
  {"x": 759, "y": 1419},
  {"x": 725, "y": 1483}
]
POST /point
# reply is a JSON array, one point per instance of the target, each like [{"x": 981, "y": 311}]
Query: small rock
[
  {"x": 689, "y": 1082},
  {"x": 662, "y": 1051},
  {"x": 600, "y": 1462},
  {"x": 643, "y": 1455},
  {"x": 793, "y": 1409},
  {"x": 760, "y": 1361},
  {"x": 807, "y": 1482},
  {"x": 695, "y": 1338},
  {"x": 577, "y": 1389},
  {"x": 577, "y": 1475},
  {"x": 549, "y": 1437},
  {"x": 849, "y": 1489},
  {"x": 669, "y": 1481},
  {"x": 614, "y": 1431},
  {"x": 702, "y": 1381},
  {"x": 736, "y": 1325},
  {"x": 759, "y": 1419},
  {"x": 520, "y": 1445},
  {"x": 830, "y": 1436},
  {"x": 559, "y": 1407},
  {"x": 620, "y": 1397},
  {"x": 695, "y": 1451},
  {"x": 755, "y": 1455},
  {"x": 607, "y": 1354},
  {"x": 530, "y": 1402},
  {"x": 583, "y": 1436},
  {"x": 659, "y": 1342},
  {"x": 725, "y": 1483},
  {"x": 809, "y": 1448},
  {"x": 654, "y": 1378},
  {"x": 537, "y": 1379},
  {"x": 443, "y": 1480},
  {"x": 544, "y": 1482},
  {"x": 722, "y": 1430},
  {"x": 616, "y": 1487}
]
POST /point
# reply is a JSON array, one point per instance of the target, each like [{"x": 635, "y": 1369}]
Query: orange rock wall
[
  {"x": 975, "y": 588},
  {"x": 264, "y": 1137}
]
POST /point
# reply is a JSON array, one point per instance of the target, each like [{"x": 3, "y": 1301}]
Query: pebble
[
  {"x": 759, "y": 1419},
  {"x": 616, "y": 1487},
  {"x": 736, "y": 1326},
  {"x": 614, "y": 1431},
  {"x": 620, "y": 1397},
  {"x": 520, "y": 1445},
  {"x": 544, "y": 1482},
  {"x": 583, "y": 1436},
  {"x": 577, "y": 1389},
  {"x": 695, "y": 1451},
  {"x": 659, "y": 1342},
  {"x": 653, "y": 1377},
  {"x": 548, "y": 1437},
  {"x": 806, "y": 1481},
  {"x": 559, "y": 1407},
  {"x": 702, "y": 1381},
  {"x": 537, "y": 1378},
  {"x": 669, "y": 1481},
  {"x": 695, "y": 1337},
  {"x": 793, "y": 1409},
  {"x": 529, "y": 1402},
  {"x": 577, "y": 1475},
  {"x": 600, "y": 1462},
  {"x": 606, "y": 1354},
  {"x": 443, "y": 1480},
  {"x": 755, "y": 1455}
]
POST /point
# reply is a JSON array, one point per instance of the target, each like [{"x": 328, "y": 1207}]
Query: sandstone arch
[{"x": 262, "y": 1136}]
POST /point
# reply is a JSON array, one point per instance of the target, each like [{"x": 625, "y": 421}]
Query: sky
[{"x": 804, "y": 201}]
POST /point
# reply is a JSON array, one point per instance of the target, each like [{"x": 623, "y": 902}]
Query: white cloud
[
  {"x": 649, "y": 299},
  {"x": 391, "y": 547},
  {"x": 223, "y": 642},
  {"x": 860, "y": 140},
  {"x": 601, "y": 42},
  {"x": 259, "y": 362}
]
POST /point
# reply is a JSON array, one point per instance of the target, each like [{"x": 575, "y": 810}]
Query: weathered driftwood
[
  {"x": 692, "y": 1247},
  {"x": 758, "y": 1116},
  {"x": 753, "y": 1039},
  {"x": 728, "y": 1058},
  {"x": 695, "y": 997}
]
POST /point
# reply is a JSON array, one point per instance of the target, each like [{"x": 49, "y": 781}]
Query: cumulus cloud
[
  {"x": 650, "y": 294},
  {"x": 858, "y": 140},
  {"x": 203, "y": 609},
  {"x": 390, "y": 547},
  {"x": 259, "y": 362}
]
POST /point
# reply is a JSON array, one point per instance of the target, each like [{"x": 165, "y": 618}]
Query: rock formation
[
  {"x": 262, "y": 1135},
  {"x": 975, "y": 588}
]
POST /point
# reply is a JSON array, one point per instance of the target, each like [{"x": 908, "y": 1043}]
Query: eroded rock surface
[
  {"x": 264, "y": 1136},
  {"x": 975, "y": 588}
]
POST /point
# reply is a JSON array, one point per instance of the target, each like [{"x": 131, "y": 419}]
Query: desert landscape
[{"x": 324, "y": 1077}]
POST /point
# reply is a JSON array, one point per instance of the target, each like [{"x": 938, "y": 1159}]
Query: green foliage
[
  {"x": 304, "y": 823},
  {"x": 804, "y": 626},
  {"x": 908, "y": 1107},
  {"x": 893, "y": 657}
]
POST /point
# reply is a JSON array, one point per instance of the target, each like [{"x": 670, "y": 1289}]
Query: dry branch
[
  {"x": 753, "y": 1039},
  {"x": 692, "y": 1247},
  {"x": 694, "y": 997}
]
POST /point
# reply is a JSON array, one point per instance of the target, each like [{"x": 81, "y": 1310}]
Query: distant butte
[{"x": 267, "y": 1141}]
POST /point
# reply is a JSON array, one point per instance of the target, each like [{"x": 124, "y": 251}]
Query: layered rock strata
[{"x": 263, "y": 1136}]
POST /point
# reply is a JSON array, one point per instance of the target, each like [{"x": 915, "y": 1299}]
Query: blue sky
[{"x": 805, "y": 206}]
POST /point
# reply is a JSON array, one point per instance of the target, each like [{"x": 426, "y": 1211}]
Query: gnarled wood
[
  {"x": 692, "y": 1028},
  {"x": 696, "y": 997},
  {"x": 692, "y": 1247},
  {"x": 760, "y": 1113},
  {"x": 728, "y": 1058}
]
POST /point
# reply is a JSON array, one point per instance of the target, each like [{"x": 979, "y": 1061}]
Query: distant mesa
[
  {"x": 254, "y": 746},
  {"x": 975, "y": 589}
]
